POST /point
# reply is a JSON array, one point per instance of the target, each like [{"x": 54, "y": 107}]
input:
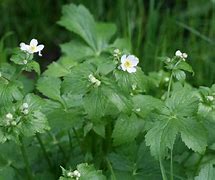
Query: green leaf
[
  {"x": 56, "y": 70},
  {"x": 79, "y": 20},
  {"x": 35, "y": 121},
  {"x": 123, "y": 44},
  {"x": 185, "y": 66},
  {"x": 145, "y": 104},
  {"x": 77, "y": 82},
  {"x": 32, "y": 65},
  {"x": 105, "y": 32},
  {"x": 179, "y": 75},
  {"x": 95, "y": 103},
  {"x": 99, "y": 129},
  {"x": 207, "y": 172},
  {"x": 179, "y": 116},
  {"x": 161, "y": 136},
  {"x": 10, "y": 91},
  {"x": 77, "y": 50},
  {"x": 193, "y": 134},
  {"x": 126, "y": 129},
  {"x": 89, "y": 172},
  {"x": 50, "y": 87}
]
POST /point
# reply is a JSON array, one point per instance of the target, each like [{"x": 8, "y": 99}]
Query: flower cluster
[
  {"x": 10, "y": 120},
  {"x": 181, "y": 55},
  {"x": 24, "y": 108},
  {"x": 75, "y": 174},
  {"x": 32, "y": 48},
  {"x": 94, "y": 81}
]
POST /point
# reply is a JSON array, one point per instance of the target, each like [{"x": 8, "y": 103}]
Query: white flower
[
  {"x": 0, "y": 74},
  {"x": 116, "y": 51},
  {"x": 181, "y": 55},
  {"x": 138, "y": 109},
  {"x": 25, "y": 111},
  {"x": 129, "y": 63},
  {"x": 25, "y": 61},
  {"x": 134, "y": 86},
  {"x": 13, "y": 123},
  {"x": 33, "y": 47},
  {"x": 70, "y": 174},
  {"x": 93, "y": 80},
  {"x": 9, "y": 116},
  {"x": 166, "y": 79},
  {"x": 25, "y": 105},
  {"x": 77, "y": 173},
  {"x": 210, "y": 98}
]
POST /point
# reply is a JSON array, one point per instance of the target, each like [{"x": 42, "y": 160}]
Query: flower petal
[
  {"x": 123, "y": 67},
  {"x": 178, "y": 53},
  {"x": 123, "y": 59},
  {"x": 40, "y": 47},
  {"x": 132, "y": 69},
  {"x": 24, "y": 47},
  {"x": 33, "y": 42},
  {"x": 133, "y": 59}
]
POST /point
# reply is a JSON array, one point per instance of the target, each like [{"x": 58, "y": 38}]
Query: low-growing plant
[{"x": 95, "y": 115}]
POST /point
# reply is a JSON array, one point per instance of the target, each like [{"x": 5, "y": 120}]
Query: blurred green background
[{"x": 155, "y": 28}]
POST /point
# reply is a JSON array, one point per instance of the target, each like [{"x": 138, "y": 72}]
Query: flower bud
[
  {"x": 9, "y": 116},
  {"x": 25, "y": 105}
]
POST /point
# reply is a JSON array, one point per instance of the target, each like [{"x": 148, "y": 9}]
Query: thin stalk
[
  {"x": 26, "y": 160},
  {"x": 164, "y": 177},
  {"x": 77, "y": 137},
  {"x": 171, "y": 164},
  {"x": 111, "y": 169},
  {"x": 45, "y": 154},
  {"x": 70, "y": 139},
  {"x": 169, "y": 85}
]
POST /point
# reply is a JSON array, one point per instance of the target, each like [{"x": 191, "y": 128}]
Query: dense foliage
[{"x": 94, "y": 114}]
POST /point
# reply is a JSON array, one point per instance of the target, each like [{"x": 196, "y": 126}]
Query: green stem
[
  {"x": 111, "y": 169},
  {"x": 26, "y": 160},
  {"x": 77, "y": 137},
  {"x": 44, "y": 151},
  {"x": 171, "y": 164},
  {"x": 170, "y": 80},
  {"x": 164, "y": 177},
  {"x": 70, "y": 139},
  {"x": 169, "y": 85}
]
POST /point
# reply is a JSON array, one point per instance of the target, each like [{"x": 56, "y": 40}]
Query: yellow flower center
[
  {"x": 128, "y": 64},
  {"x": 33, "y": 48}
]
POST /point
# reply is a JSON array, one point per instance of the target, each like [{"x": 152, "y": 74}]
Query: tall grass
[{"x": 155, "y": 28}]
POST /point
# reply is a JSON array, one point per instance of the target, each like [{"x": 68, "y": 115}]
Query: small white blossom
[
  {"x": 32, "y": 48},
  {"x": 70, "y": 174},
  {"x": 210, "y": 98},
  {"x": 181, "y": 55},
  {"x": 168, "y": 60},
  {"x": 116, "y": 51},
  {"x": 9, "y": 116},
  {"x": 25, "y": 61},
  {"x": 134, "y": 86},
  {"x": 25, "y": 111},
  {"x": 93, "y": 80},
  {"x": 0, "y": 74},
  {"x": 77, "y": 173},
  {"x": 129, "y": 63},
  {"x": 13, "y": 123},
  {"x": 25, "y": 105},
  {"x": 138, "y": 109},
  {"x": 166, "y": 79}
]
